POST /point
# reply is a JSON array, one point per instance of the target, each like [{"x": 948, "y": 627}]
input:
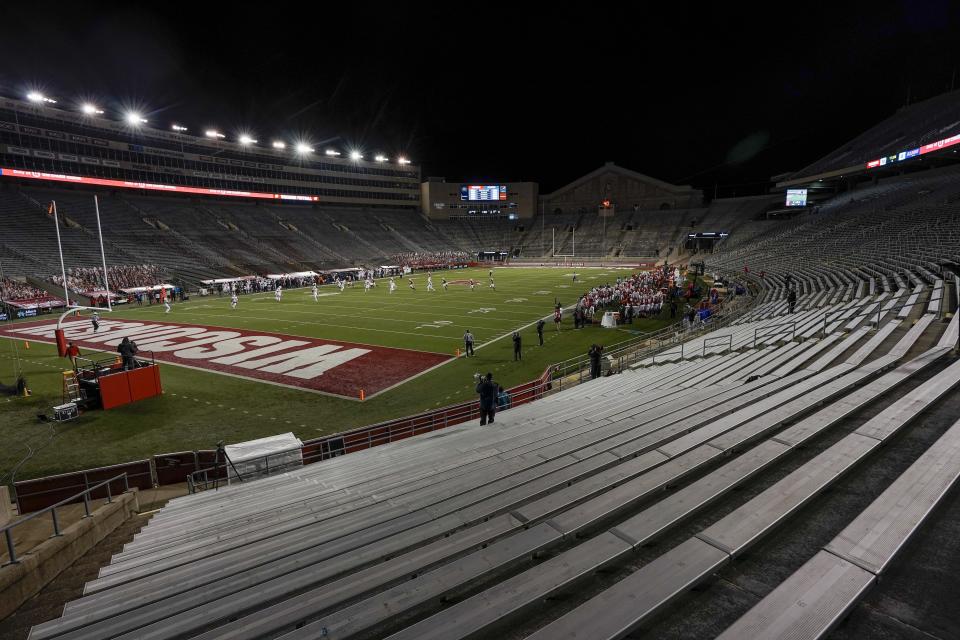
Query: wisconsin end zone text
[{"x": 332, "y": 367}]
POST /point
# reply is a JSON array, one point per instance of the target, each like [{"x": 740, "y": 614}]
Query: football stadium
[{"x": 295, "y": 384}]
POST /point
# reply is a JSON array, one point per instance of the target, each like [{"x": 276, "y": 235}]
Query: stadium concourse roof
[
  {"x": 612, "y": 168},
  {"x": 905, "y": 137}
]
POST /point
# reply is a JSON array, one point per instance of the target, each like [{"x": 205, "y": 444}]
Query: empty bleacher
[
  {"x": 469, "y": 532},
  {"x": 196, "y": 239}
]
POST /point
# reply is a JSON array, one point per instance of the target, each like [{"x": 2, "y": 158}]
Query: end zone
[{"x": 331, "y": 367}]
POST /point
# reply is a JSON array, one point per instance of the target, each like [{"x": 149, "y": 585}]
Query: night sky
[{"x": 691, "y": 95}]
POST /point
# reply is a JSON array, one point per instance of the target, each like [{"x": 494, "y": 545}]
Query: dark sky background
[{"x": 690, "y": 94}]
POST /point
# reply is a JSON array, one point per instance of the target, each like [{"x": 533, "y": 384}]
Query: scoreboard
[
  {"x": 796, "y": 197},
  {"x": 483, "y": 192}
]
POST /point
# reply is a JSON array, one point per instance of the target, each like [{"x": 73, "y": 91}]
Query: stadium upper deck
[
  {"x": 914, "y": 131},
  {"x": 40, "y": 137}
]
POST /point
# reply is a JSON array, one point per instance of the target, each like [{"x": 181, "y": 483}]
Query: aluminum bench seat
[
  {"x": 638, "y": 530},
  {"x": 792, "y": 351},
  {"x": 875, "y": 340},
  {"x": 667, "y": 474},
  {"x": 407, "y": 521},
  {"x": 809, "y": 603},
  {"x": 936, "y": 297},
  {"x": 737, "y": 531},
  {"x": 595, "y": 553},
  {"x": 449, "y": 530},
  {"x": 911, "y": 301},
  {"x": 806, "y": 356},
  {"x": 875, "y": 537},
  {"x": 617, "y": 611}
]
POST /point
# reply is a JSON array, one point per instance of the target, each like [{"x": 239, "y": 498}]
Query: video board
[
  {"x": 796, "y": 197},
  {"x": 483, "y": 192}
]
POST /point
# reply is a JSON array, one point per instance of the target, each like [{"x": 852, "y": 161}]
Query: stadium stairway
[
  {"x": 68, "y": 584},
  {"x": 372, "y": 542}
]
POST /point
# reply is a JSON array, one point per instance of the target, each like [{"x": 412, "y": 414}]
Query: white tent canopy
[
  {"x": 298, "y": 274},
  {"x": 226, "y": 280},
  {"x": 155, "y": 287},
  {"x": 256, "y": 457}
]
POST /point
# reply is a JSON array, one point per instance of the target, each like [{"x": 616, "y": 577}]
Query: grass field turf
[{"x": 199, "y": 408}]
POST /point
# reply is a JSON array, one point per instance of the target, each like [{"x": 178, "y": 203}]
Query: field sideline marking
[
  {"x": 327, "y": 324},
  {"x": 189, "y": 310},
  {"x": 432, "y": 316},
  {"x": 380, "y": 303}
]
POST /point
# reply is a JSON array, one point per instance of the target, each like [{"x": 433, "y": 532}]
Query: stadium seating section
[
  {"x": 195, "y": 240},
  {"x": 571, "y": 518},
  {"x": 911, "y": 127},
  {"x": 598, "y": 510}
]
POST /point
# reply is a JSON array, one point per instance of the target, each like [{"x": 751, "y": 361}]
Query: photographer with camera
[
  {"x": 487, "y": 389},
  {"x": 127, "y": 350},
  {"x": 595, "y": 353}
]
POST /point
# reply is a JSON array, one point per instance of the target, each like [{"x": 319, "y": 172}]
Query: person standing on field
[
  {"x": 468, "y": 343},
  {"x": 73, "y": 352},
  {"x": 517, "y": 350},
  {"x": 540, "y": 324}
]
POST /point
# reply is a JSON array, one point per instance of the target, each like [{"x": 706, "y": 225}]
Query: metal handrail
[
  {"x": 668, "y": 353},
  {"x": 873, "y": 304},
  {"x": 770, "y": 334},
  {"x": 632, "y": 350},
  {"x": 718, "y": 340},
  {"x": 8, "y": 529},
  {"x": 202, "y": 479}
]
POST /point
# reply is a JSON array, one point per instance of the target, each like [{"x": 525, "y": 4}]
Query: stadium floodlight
[
  {"x": 333, "y": 153},
  {"x": 213, "y": 133},
  {"x": 36, "y": 96},
  {"x": 135, "y": 119},
  {"x": 91, "y": 110},
  {"x": 304, "y": 148},
  {"x": 402, "y": 160},
  {"x": 277, "y": 144},
  {"x": 381, "y": 158},
  {"x": 246, "y": 139},
  {"x": 356, "y": 155},
  {"x": 178, "y": 128}
]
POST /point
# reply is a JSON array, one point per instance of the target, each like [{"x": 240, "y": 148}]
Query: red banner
[{"x": 150, "y": 186}]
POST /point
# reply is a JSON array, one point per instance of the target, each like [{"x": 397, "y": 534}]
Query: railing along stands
[
  {"x": 52, "y": 509},
  {"x": 359, "y": 439}
]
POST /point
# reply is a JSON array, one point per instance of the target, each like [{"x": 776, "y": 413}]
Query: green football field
[{"x": 199, "y": 408}]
